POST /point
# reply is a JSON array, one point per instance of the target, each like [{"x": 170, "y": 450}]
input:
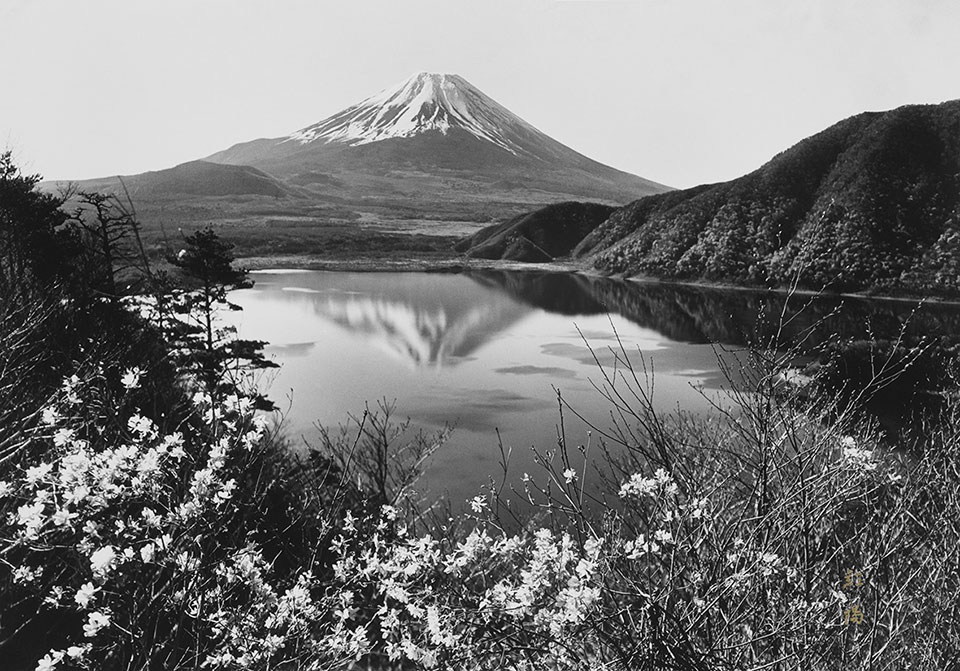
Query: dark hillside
[
  {"x": 537, "y": 236},
  {"x": 872, "y": 202}
]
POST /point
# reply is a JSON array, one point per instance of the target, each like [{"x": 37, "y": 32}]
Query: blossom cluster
[
  {"x": 104, "y": 510},
  {"x": 419, "y": 599},
  {"x": 638, "y": 485},
  {"x": 856, "y": 458}
]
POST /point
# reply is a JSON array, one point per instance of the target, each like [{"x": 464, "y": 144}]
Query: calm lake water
[{"x": 489, "y": 350}]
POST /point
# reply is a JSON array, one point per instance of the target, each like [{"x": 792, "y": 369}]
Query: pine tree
[
  {"x": 209, "y": 348},
  {"x": 35, "y": 246}
]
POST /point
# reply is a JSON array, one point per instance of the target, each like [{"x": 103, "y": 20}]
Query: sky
[{"x": 682, "y": 92}]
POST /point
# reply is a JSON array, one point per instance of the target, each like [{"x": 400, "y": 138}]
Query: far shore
[{"x": 458, "y": 263}]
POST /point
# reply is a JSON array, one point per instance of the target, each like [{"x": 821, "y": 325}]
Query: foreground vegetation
[{"x": 150, "y": 518}]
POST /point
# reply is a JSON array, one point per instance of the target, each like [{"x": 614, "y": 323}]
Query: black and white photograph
[{"x": 382, "y": 335}]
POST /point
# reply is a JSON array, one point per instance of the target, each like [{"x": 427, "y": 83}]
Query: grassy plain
[{"x": 301, "y": 233}]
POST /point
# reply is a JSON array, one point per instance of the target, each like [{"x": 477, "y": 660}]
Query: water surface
[{"x": 488, "y": 351}]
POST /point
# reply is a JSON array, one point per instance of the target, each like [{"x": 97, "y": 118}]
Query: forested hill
[
  {"x": 871, "y": 203},
  {"x": 537, "y": 236}
]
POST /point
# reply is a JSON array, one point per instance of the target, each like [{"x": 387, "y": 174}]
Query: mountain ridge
[
  {"x": 194, "y": 178},
  {"x": 870, "y": 203}
]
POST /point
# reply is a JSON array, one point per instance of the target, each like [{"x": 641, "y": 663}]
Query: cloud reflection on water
[{"x": 537, "y": 370}]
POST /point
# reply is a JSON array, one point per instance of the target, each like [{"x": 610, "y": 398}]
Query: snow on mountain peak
[{"x": 425, "y": 102}]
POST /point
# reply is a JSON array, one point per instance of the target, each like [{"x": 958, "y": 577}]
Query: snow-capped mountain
[
  {"x": 424, "y": 102},
  {"x": 434, "y": 136}
]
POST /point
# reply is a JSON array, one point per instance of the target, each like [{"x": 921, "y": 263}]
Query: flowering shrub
[
  {"x": 465, "y": 603},
  {"x": 132, "y": 539}
]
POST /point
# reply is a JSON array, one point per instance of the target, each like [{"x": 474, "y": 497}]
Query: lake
[{"x": 488, "y": 351}]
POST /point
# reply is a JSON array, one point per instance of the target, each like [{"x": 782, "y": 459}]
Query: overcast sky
[{"x": 678, "y": 91}]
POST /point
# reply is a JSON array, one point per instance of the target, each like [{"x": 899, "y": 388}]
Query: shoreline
[{"x": 457, "y": 264}]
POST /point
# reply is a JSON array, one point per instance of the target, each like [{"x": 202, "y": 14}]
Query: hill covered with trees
[
  {"x": 871, "y": 203},
  {"x": 537, "y": 236}
]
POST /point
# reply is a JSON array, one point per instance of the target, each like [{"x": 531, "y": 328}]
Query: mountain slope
[
  {"x": 872, "y": 202},
  {"x": 435, "y": 136},
  {"x": 195, "y": 178},
  {"x": 541, "y": 235}
]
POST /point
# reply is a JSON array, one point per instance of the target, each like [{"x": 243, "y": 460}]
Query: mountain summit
[
  {"x": 424, "y": 102},
  {"x": 434, "y": 138}
]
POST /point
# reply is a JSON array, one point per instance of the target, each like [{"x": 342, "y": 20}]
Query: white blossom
[
  {"x": 25, "y": 574},
  {"x": 77, "y": 495},
  {"x": 85, "y": 594},
  {"x": 638, "y": 485},
  {"x": 173, "y": 445},
  {"x": 70, "y": 389},
  {"x": 62, "y": 517},
  {"x": 478, "y": 504},
  {"x": 102, "y": 560},
  {"x": 55, "y": 595},
  {"x": 30, "y": 516},
  {"x": 37, "y": 473},
  {"x": 141, "y": 426},
  {"x": 146, "y": 553},
  {"x": 769, "y": 562},
  {"x": 131, "y": 378},
  {"x": 226, "y": 492},
  {"x": 63, "y": 436},
  {"x": 635, "y": 549},
  {"x": 151, "y": 518},
  {"x": 50, "y": 660},
  {"x": 49, "y": 416},
  {"x": 858, "y": 459},
  {"x": 95, "y": 622},
  {"x": 76, "y": 651}
]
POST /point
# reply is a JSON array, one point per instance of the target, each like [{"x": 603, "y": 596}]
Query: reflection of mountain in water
[
  {"x": 439, "y": 319},
  {"x": 422, "y": 335},
  {"x": 730, "y": 317},
  {"x": 420, "y": 319}
]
